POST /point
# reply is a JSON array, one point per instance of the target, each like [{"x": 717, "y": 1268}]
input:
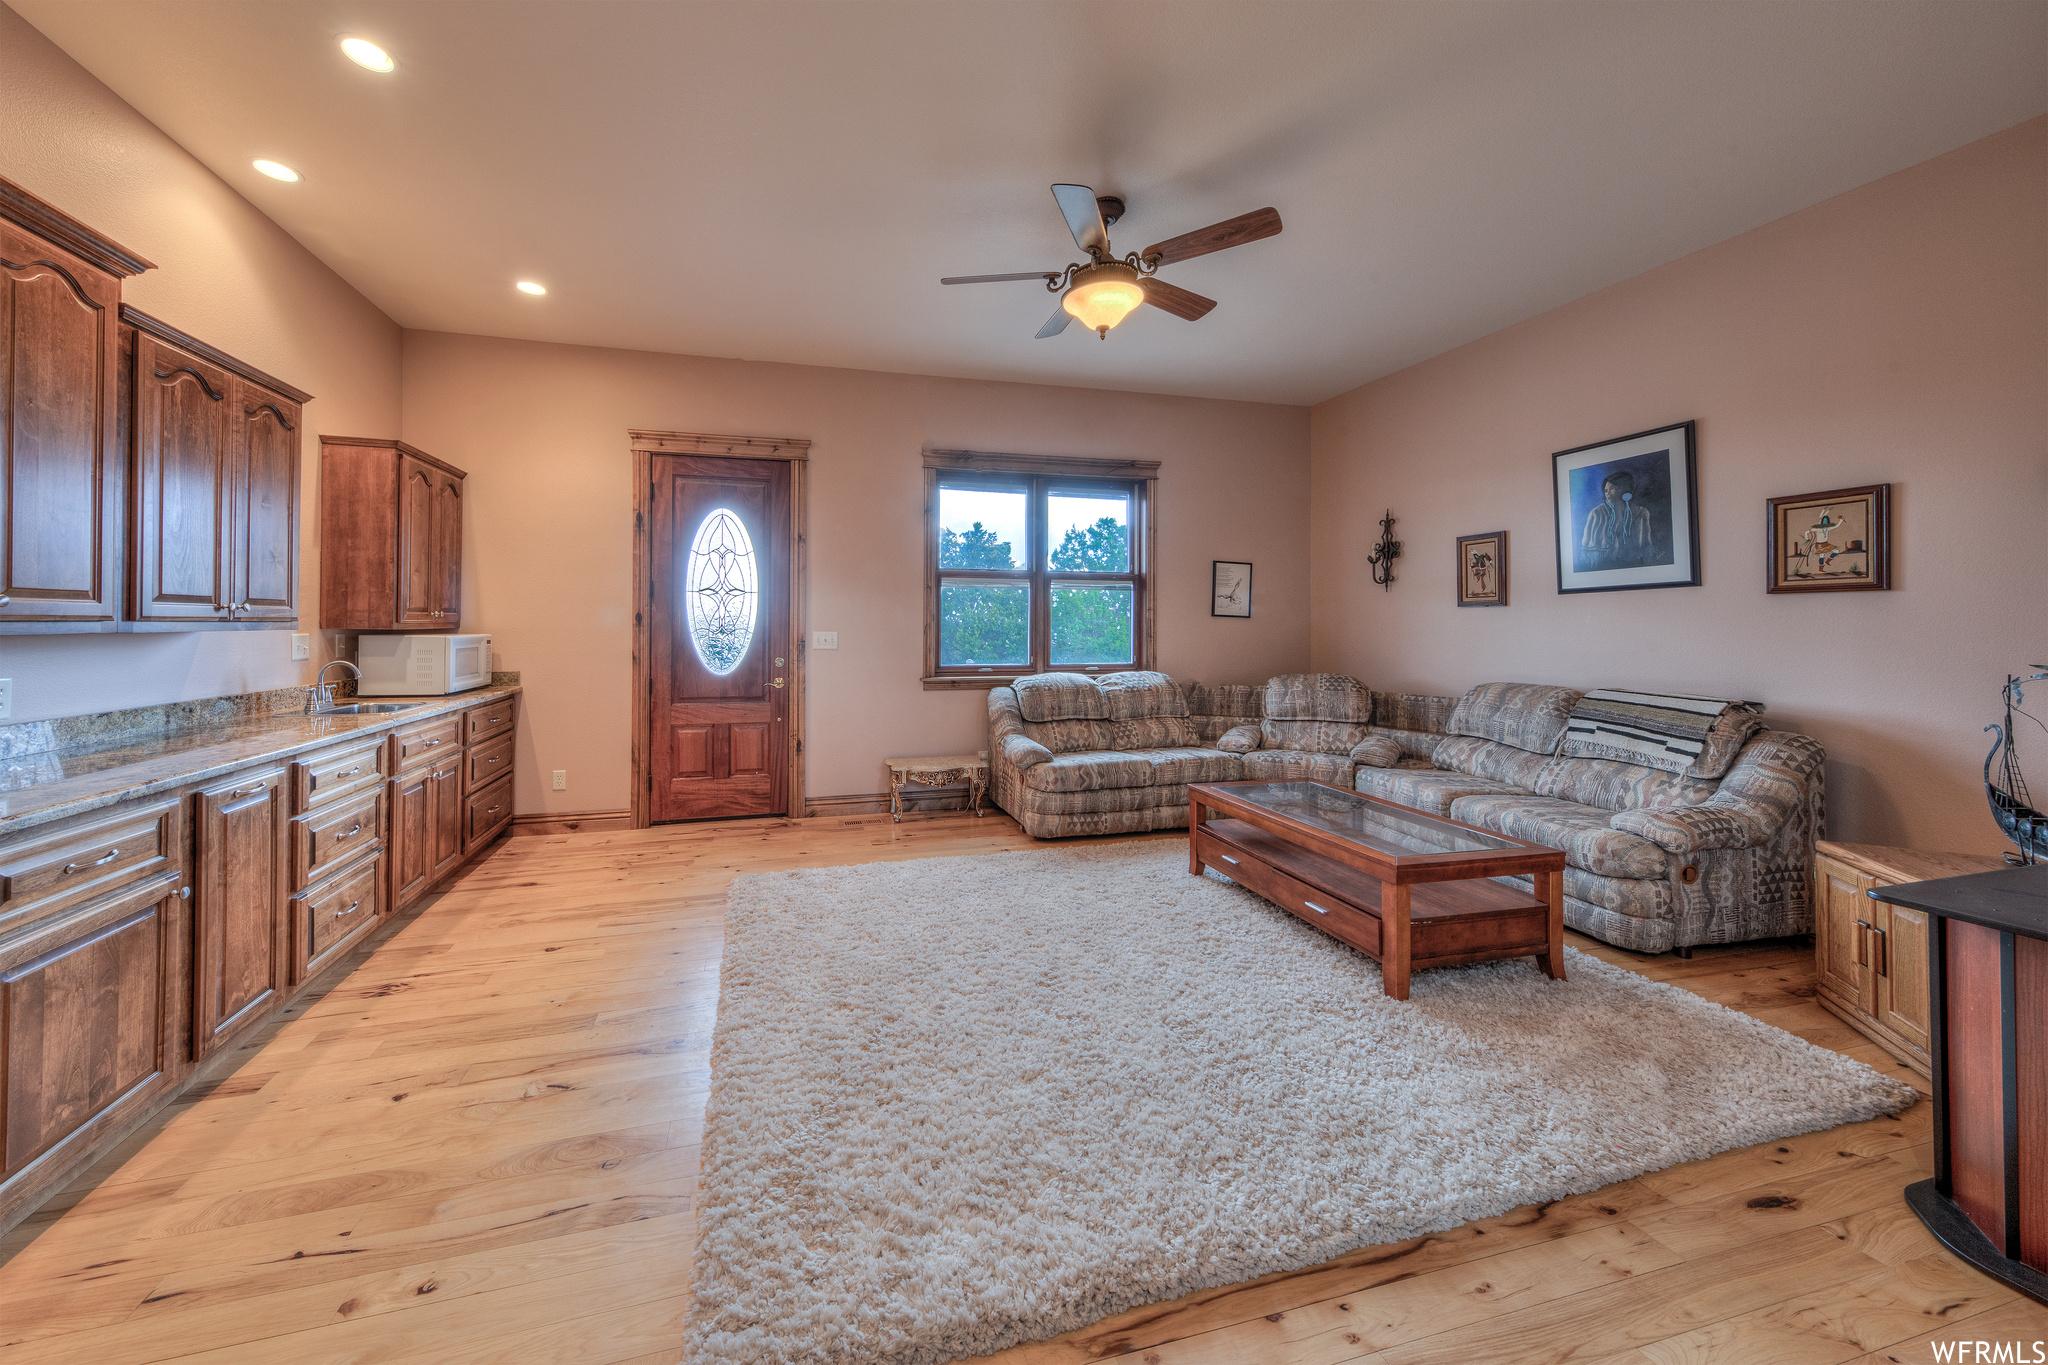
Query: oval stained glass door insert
[{"x": 722, "y": 586}]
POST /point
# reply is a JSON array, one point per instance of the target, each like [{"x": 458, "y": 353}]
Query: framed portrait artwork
[
  {"x": 1839, "y": 541},
  {"x": 1483, "y": 570},
  {"x": 1628, "y": 513},
  {"x": 1230, "y": 588}
]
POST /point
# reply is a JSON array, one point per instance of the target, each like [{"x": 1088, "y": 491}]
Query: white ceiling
[{"x": 787, "y": 181}]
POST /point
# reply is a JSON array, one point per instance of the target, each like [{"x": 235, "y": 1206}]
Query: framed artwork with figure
[
  {"x": 1483, "y": 570},
  {"x": 1628, "y": 513},
  {"x": 1230, "y": 588},
  {"x": 1839, "y": 541}
]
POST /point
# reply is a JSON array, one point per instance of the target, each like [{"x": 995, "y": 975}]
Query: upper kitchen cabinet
[
  {"x": 214, "y": 531},
  {"x": 60, "y": 441},
  {"x": 390, "y": 537}
]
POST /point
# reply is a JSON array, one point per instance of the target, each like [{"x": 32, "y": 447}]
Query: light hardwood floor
[{"x": 482, "y": 1146}]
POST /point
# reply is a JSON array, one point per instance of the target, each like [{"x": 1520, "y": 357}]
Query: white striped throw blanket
[{"x": 1646, "y": 728}]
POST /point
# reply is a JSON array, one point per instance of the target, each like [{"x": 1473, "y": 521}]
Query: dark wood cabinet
[
  {"x": 238, "y": 904},
  {"x": 390, "y": 537},
  {"x": 412, "y": 840},
  {"x": 448, "y": 832},
  {"x": 61, "y": 462},
  {"x": 213, "y": 525}
]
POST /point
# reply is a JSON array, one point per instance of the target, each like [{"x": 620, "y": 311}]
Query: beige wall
[
  {"x": 225, "y": 274},
  {"x": 1897, "y": 333},
  {"x": 541, "y": 429}
]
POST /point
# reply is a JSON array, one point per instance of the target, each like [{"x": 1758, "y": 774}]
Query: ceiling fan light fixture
[{"x": 1103, "y": 295}]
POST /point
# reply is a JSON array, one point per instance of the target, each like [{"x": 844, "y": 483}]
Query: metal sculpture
[
  {"x": 1385, "y": 553},
  {"x": 2011, "y": 803}
]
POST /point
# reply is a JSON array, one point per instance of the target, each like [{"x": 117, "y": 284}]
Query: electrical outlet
[
  {"x": 6, "y": 698},
  {"x": 561, "y": 779},
  {"x": 824, "y": 639},
  {"x": 302, "y": 647}
]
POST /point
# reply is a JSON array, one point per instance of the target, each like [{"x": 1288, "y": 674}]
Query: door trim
[{"x": 646, "y": 445}]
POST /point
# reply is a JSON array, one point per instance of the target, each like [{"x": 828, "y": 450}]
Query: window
[{"x": 1034, "y": 565}]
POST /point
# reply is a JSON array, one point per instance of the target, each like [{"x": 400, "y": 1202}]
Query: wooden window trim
[{"x": 1036, "y": 473}]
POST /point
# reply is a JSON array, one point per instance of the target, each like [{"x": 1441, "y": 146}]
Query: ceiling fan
[{"x": 1104, "y": 290}]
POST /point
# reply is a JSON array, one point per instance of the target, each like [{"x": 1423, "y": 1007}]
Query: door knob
[{"x": 776, "y": 683}]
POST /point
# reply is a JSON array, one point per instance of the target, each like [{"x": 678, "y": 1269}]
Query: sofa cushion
[
  {"x": 1242, "y": 700},
  {"x": 1106, "y": 801},
  {"x": 1135, "y": 694},
  {"x": 1071, "y": 736},
  {"x": 1152, "y": 732},
  {"x": 1489, "y": 758},
  {"x": 1295, "y": 765},
  {"x": 1423, "y": 789},
  {"x": 1239, "y": 739},
  {"x": 1317, "y": 696},
  {"x": 1336, "y": 738},
  {"x": 1089, "y": 772},
  {"x": 1614, "y": 785},
  {"x": 1060, "y": 696},
  {"x": 1529, "y": 716},
  {"x": 1582, "y": 832},
  {"x": 1411, "y": 711},
  {"x": 1376, "y": 751},
  {"x": 1193, "y": 765}
]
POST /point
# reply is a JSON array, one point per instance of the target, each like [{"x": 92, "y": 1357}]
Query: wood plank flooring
[{"x": 481, "y": 1146}]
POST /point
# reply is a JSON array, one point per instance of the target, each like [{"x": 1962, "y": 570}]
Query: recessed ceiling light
[
  {"x": 276, "y": 170},
  {"x": 368, "y": 55},
  {"x": 529, "y": 287}
]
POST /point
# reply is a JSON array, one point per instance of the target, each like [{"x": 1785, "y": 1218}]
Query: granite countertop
[{"x": 36, "y": 788}]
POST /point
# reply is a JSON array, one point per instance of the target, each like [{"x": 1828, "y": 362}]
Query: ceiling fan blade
[
  {"x": 1248, "y": 227},
  {"x": 991, "y": 279},
  {"x": 1083, "y": 214},
  {"x": 1182, "y": 303},
  {"x": 1055, "y": 324}
]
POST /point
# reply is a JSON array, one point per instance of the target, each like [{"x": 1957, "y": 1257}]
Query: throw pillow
[{"x": 1376, "y": 751}]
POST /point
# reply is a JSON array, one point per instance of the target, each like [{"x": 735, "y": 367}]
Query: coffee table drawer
[{"x": 1318, "y": 907}]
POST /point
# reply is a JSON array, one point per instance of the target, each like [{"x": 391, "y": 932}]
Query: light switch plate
[
  {"x": 824, "y": 639},
  {"x": 302, "y": 647},
  {"x": 561, "y": 779},
  {"x": 6, "y": 698}
]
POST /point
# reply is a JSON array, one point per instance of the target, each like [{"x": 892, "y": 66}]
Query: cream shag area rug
[{"x": 966, "y": 1102}]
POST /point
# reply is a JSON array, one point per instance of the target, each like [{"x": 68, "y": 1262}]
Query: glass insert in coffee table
[{"x": 1408, "y": 888}]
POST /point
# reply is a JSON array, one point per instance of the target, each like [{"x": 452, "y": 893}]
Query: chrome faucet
[{"x": 320, "y": 695}]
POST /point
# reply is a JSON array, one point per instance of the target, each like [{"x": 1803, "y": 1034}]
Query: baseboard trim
[
  {"x": 574, "y": 822},
  {"x": 918, "y": 801}
]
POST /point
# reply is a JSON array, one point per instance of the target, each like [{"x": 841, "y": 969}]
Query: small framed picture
[
  {"x": 1840, "y": 541},
  {"x": 1230, "y": 588},
  {"x": 1483, "y": 570},
  {"x": 1628, "y": 513}
]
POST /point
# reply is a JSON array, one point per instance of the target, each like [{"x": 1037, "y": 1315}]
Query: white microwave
[{"x": 421, "y": 665}]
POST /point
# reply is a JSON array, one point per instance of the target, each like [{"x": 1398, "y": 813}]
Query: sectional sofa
[{"x": 1654, "y": 860}]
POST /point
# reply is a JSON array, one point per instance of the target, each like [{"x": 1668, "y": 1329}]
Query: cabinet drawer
[
  {"x": 334, "y": 915},
  {"x": 51, "y": 869},
  {"x": 1356, "y": 927},
  {"x": 331, "y": 836},
  {"x": 486, "y": 814},
  {"x": 337, "y": 773},
  {"x": 489, "y": 761},
  {"x": 429, "y": 740},
  {"x": 488, "y": 722}
]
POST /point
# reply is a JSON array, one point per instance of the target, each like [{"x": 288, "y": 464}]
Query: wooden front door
[{"x": 719, "y": 638}]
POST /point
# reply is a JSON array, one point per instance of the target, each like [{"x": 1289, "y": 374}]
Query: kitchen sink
[{"x": 368, "y": 708}]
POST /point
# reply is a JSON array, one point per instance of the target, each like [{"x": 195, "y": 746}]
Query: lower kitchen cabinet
[
  {"x": 332, "y": 917},
  {"x": 89, "y": 1016},
  {"x": 142, "y": 940},
  {"x": 238, "y": 902}
]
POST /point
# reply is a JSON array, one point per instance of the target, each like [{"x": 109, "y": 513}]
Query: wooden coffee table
[{"x": 1404, "y": 887}]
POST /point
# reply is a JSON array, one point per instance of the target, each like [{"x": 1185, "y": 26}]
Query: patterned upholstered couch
[{"x": 1654, "y": 860}]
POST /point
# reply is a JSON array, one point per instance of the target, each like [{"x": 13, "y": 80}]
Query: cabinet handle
[
  {"x": 1863, "y": 943},
  {"x": 245, "y": 791},
  {"x": 112, "y": 854},
  {"x": 443, "y": 777},
  {"x": 496, "y": 759},
  {"x": 1317, "y": 908},
  {"x": 1884, "y": 956},
  {"x": 1228, "y": 859},
  {"x": 340, "y": 914},
  {"x": 492, "y": 811},
  {"x": 185, "y": 893},
  {"x": 354, "y": 829},
  {"x": 428, "y": 743},
  {"x": 5, "y": 600},
  {"x": 351, "y": 772}
]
